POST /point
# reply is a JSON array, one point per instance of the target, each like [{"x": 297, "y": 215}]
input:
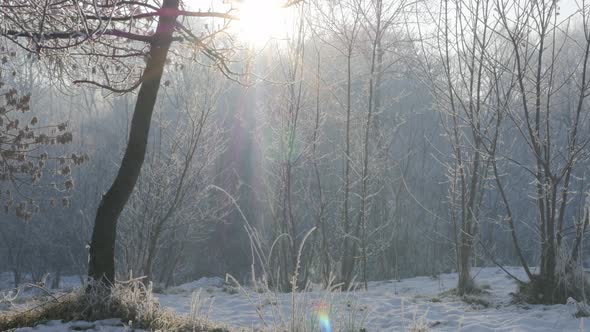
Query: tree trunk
[
  {"x": 347, "y": 252},
  {"x": 465, "y": 284},
  {"x": 17, "y": 277},
  {"x": 102, "y": 247},
  {"x": 56, "y": 279},
  {"x": 152, "y": 248}
]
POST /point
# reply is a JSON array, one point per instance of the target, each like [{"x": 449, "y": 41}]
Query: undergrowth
[{"x": 131, "y": 301}]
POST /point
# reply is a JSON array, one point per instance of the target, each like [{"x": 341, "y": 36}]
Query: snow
[
  {"x": 107, "y": 325},
  {"x": 65, "y": 282},
  {"x": 386, "y": 306},
  {"x": 12, "y": 298}
]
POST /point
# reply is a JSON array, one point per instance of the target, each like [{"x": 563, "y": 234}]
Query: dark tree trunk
[
  {"x": 465, "y": 284},
  {"x": 102, "y": 247},
  {"x": 56, "y": 279},
  {"x": 17, "y": 277}
]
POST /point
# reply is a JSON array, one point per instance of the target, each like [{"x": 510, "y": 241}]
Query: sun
[{"x": 261, "y": 21}]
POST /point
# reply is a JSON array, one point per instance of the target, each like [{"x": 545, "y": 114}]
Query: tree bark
[{"x": 102, "y": 247}]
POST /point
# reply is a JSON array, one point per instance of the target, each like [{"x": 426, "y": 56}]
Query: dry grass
[
  {"x": 419, "y": 326},
  {"x": 132, "y": 302}
]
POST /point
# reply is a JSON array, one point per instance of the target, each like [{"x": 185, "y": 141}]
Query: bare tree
[
  {"x": 341, "y": 22},
  {"x": 465, "y": 94},
  {"x": 117, "y": 31},
  {"x": 172, "y": 189},
  {"x": 538, "y": 39}
]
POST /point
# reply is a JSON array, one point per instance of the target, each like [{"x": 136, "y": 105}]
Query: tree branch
[
  {"x": 74, "y": 34},
  {"x": 108, "y": 87},
  {"x": 166, "y": 13}
]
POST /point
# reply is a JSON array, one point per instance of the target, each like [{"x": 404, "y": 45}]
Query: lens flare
[{"x": 323, "y": 317}]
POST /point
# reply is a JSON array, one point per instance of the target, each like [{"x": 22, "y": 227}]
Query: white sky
[{"x": 568, "y": 7}]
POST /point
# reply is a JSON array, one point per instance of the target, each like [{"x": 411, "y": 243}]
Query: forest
[{"x": 294, "y": 165}]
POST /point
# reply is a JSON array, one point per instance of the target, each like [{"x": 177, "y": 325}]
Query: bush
[
  {"x": 420, "y": 325},
  {"x": 477, "y": 302},
  {"x": 132, "y": 302},
  {"x": 539, "y": 290}
]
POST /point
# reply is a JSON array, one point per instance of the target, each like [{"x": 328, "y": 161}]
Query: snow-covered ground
[
  {"x": 107, "y": 325},
  {"x": 386, "y": 306},
  {"x": 65, "y": 282}
]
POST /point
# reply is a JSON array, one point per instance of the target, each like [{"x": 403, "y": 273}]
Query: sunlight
[
  {"x": 260, "y": 21},
  {"x": 294, "y": 165}
]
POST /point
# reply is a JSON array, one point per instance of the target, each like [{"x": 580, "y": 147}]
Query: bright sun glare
[{"x": 261, "y": 21}]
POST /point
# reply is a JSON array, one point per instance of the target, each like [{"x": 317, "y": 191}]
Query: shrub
[{"x": 132, "y": 302}]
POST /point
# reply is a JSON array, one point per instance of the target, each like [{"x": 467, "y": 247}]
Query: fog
[{"x": 339, "y": 143}]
